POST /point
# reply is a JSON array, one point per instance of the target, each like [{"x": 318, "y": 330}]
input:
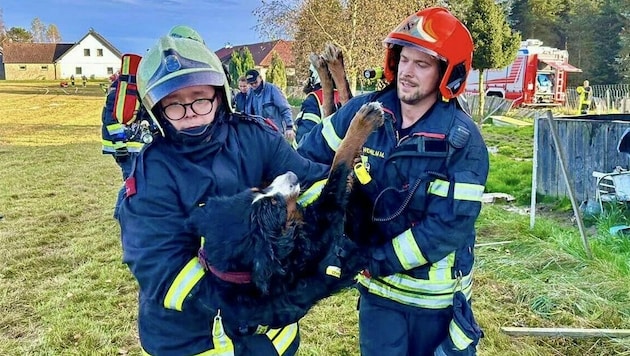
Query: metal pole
[
  {"x": 532, "y": 207},
  {"x": 576, "y": 211}
]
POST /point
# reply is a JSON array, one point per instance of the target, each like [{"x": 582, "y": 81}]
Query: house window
[
  {"x": 44, "y": 67},
  {"x": 22, "y": 67},
  {"x": 99, "y": 52},
  {"x": 78, "y": 70},
  {"x": 110, "y": 70},
  {"x": 86, "y": 52}
]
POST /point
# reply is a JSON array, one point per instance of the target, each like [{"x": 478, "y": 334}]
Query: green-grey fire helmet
[
  {"x": 174, "y": 63},
  {"x": 182, "y": 31}
]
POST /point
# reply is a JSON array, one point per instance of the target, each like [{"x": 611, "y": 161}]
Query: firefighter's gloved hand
[
  {"x": 379, "y": 265},
  {"x": 121, "y": 154},
  {"x": 342, "y": 263}
]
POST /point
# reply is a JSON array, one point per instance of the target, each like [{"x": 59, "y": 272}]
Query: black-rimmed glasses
[{"x": 177, "y": 111}]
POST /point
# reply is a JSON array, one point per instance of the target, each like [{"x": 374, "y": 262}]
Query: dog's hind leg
[
  {"x": 365, "y": 121},
  {"x": 326, "y": 81},
  {"x": 334, "y": 62}
]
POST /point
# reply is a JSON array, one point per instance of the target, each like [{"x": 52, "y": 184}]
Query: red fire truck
[{"x": 538, "y": 76}]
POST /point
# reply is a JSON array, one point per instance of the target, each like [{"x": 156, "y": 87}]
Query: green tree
[
  {"x": 277, "y": 72},
  {"x": 607, "y": 49},
  {"x": 496, "y": 45},
  {"x": 235, "y": 67},
  {"x": 19, "y": 34},
  {"x": 539, "y": 19},
  {"x": 357, "y": 27},
  {"x": 240, "y": 62},
  {"x": 248, "y": 60}
]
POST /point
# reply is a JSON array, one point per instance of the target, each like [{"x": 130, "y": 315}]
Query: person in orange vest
[{"x": 586, "y": 96}]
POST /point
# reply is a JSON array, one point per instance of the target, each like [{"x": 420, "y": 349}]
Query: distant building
[
  {"x": 92, "y": 56},
  {"x": 262, "y": 53},
  {"x": 1, "y": 64}
]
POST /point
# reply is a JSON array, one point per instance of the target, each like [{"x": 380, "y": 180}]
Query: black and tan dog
[{"x": 260, "y": 244}]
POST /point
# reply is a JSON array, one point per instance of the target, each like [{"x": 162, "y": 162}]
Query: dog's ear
[{"x": 270, "y": 248}]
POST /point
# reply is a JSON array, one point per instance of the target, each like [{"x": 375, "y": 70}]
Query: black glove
[{"x": 379, "y": 265}]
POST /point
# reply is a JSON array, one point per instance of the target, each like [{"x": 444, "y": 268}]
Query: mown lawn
[{"x": 64, "y": 290}]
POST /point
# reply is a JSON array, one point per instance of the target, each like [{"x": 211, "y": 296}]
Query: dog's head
[
  {"x": 255, "y": 230},
  {"x": 274, "y": 217}
]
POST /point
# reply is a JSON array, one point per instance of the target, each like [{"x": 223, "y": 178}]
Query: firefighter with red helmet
[{"x": 425, "y": 171}]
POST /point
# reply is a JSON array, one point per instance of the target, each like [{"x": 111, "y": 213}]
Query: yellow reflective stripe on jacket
[
  {"x": 186, "y": 279},
  {"x": 112, "y": 146},
  {"x": 312, "y": 193},
  {"x": 134, "y": 146},
  {"x": 330, "y": 136},
  {"x": 459, "y": 338},
  {"x": 441, "y": 270},
  {"x": 282, "y": 338},
  {"x": 114, "y": 129},
  {"x": 462, "y": 191},
  {"x": 416, "y": 292},
  {"x": 312, "y": 117},
  {"x": 407, "y": 250}
]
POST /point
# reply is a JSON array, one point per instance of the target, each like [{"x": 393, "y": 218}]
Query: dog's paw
[
  {"x": 318, "y": 62},
  {"x": 332, "y": 55},
  {"x": 371, "y": 114}
]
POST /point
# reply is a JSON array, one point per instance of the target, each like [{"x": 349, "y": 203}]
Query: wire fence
[{"x": 606, "y": 98}]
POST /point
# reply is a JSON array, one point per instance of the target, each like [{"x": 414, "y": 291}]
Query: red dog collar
[{"x": 232, "y": 277}]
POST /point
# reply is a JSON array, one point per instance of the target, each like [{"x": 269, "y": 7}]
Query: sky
[{"x": 133, "y": 26}]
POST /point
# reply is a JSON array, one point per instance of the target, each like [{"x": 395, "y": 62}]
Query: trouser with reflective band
[
  {"x": 402, "y": 331},
  {"x": 170, "y": 332}
]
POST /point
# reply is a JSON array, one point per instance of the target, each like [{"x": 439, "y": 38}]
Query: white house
[{"x": 92, "y": 56}]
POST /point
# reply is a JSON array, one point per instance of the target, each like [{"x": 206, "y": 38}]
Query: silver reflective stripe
[
  {"x": 462, "y": 191},
  {"x": 416, "y": 292},
  {"x": 186, "y": 279},
  {"x": 330, "y": 136},
  {"x": 407, "y": 250},
  {"x": 459, "y": 338},
  {"x": 312, "y": 117},
  {"x": 468, "y": 191}
]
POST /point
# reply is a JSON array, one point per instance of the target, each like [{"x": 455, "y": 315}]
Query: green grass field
[{"x": 64, "y": 290}]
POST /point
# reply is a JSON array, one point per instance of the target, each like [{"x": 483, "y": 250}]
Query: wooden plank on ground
[{"x": 566, "y": 332}]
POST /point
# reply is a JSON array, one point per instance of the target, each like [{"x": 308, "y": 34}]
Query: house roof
[
  {"x": 262, "y": 52},
  {"x": 101, "y": 39},
  {"x": 16, "y": 52}
]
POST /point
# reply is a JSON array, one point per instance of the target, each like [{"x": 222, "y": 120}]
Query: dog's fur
[{"x": 264, "y": 235}]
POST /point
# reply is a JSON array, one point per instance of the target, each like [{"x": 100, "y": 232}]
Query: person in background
[
  {"x": 424, "y": 170},
  {"x": 586, "y": 96},
  {"x": 202, "y": 150},
  {"x": 241, "y": 97},
  {"x": 268, "y": 101},
  {"x": 311, "y": 110}
]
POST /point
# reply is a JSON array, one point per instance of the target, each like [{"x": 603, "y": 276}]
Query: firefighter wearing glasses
[{"x": 201, "y": 149}]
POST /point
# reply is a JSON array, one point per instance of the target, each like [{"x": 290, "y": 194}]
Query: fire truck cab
[{"x": 538, "y": 76}]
